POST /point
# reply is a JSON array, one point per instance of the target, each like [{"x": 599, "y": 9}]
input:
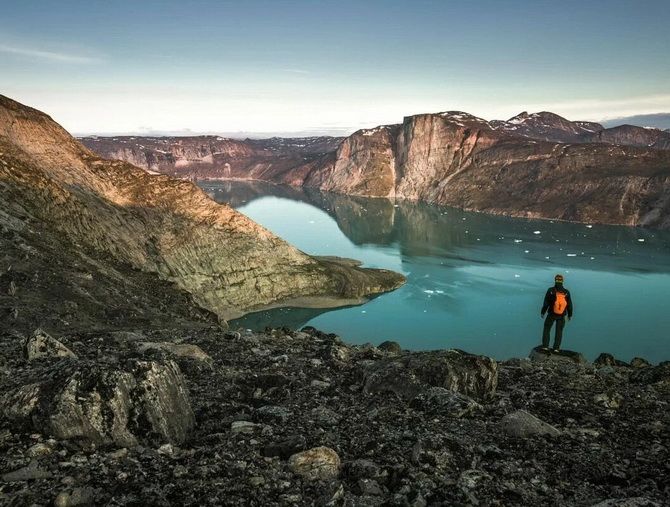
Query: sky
[{"x": 132, "y": 66}]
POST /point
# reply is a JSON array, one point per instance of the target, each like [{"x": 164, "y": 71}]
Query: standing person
[{"x": 558, "y": 306}]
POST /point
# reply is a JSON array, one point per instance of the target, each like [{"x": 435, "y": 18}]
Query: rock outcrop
[
  {"x": 142, "y": 401},
  {"x": 61, "y": 204}
]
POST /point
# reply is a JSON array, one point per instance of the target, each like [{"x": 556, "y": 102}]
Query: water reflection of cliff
[{"x": 424, "y": 230}]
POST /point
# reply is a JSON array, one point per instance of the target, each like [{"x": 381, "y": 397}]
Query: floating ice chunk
[
  {"x": 592, "y": 258},
  {"x": 641, "y": 240},
  {"x": 589, "y": 226},
  {"x": 517, "y": 276},
  {"x": 364, "y": 311},
  {"x": 547, "y": 258},
  {"x": 537, "y": 232},
  {"x": 428, "y": 291},
  {"x": 572, "y": 255},
  {"x": 518, "y": 241},
  {"x": 439, "y": 292},
  {"x": 526, "y": 251}
]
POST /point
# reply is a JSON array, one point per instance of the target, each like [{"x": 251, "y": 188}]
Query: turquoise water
[{"x": 474, "y": 281}]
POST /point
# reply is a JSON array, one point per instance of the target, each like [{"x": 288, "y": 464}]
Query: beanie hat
[{"x": 558, "y": 279}]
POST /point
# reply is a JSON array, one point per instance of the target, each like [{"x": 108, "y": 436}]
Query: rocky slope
[
  {"x": 538, "y": 165},
  {"x": 109, "y": 242},
  {"x": 188, "y": 417}
]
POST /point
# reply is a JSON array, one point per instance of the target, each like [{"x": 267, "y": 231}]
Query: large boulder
[
  {"x": 606, "y": 359},
  {"x": 659, "y": 375},
  {"x": 454, "y": 370},
  {"x": 140, "y": 401},
  {"x": 522, "y": 424},
  {"x": 40, "y": 345}
]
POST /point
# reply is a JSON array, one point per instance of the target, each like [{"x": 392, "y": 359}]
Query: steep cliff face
[
  {"x": 460, "y": 160},
  {"x": 122, "y": 216}
]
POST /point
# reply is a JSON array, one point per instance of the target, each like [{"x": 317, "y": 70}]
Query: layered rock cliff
[{"x": 108, "y": 232}]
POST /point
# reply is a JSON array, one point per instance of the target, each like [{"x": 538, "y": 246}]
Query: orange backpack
[{"x": 560, "y": 302}]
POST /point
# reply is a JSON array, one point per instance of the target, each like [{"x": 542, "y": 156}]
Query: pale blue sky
[{"x": 287, "y": 66}]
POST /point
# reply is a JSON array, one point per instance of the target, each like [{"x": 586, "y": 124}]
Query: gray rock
[
  {"x": 522, "y": 424},
  {"x": 606, "y": 359},
  {"x": 284, "y": 448},
  {"x": 659, "y": 375},
  {"x": 27, "y": 473},
  {"x": 319, "y": 463},
  {"x": 320, "y": 384},
  {"x": 438, "y": 400},
  {"x": 608, "y": 400},
  {"x": 274, "y": 413},
  {"x": 364, "y": 468},
  {"x": 390, "y": 347},
  {"x": 638, "y": 362},
  {"x": 77, "y": 496},
  {"x": 180, "y": 350},
  {"x": 638, "y": 501},
  {"x": 246, "y": 427},
  {"x": 456, "y": 371},
  {"x": 141, "y": 401},
  {"x": 369, "y": 487},
  {"x": 40, "y": 345},
  {"x": 325, "y": 416}
]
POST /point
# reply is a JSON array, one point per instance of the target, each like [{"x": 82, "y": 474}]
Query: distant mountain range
[
  {"x": 537, "y": 165},
  {"x": 657, "y": 120}
]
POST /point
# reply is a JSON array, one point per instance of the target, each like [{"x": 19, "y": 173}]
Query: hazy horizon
[{"x": 329, "y": 67}]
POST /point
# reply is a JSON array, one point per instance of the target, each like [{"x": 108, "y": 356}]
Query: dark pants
[{"x": 548, "y": 322}]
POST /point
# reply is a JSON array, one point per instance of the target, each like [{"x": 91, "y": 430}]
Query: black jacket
[{"x": 550, "y": 297}]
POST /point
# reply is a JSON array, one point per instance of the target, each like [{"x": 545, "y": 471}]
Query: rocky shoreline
[{"x": 215, "y": 417}]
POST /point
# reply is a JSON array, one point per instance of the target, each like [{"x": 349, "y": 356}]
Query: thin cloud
[
  {"x": 296, "y": 71},
  {"x": 48, "y": 55}
]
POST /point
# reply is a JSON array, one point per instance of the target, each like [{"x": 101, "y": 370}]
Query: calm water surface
[{"x": 474, "y": 281}]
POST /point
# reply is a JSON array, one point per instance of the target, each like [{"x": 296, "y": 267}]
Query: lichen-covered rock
[
  {"x": 522, "y": 424},
  {"x": 319, "y": 463},
  {"x": 456, "y": 371},
  {"x": 140, "y": 401},
  {"x": 40, "y": 345}
]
